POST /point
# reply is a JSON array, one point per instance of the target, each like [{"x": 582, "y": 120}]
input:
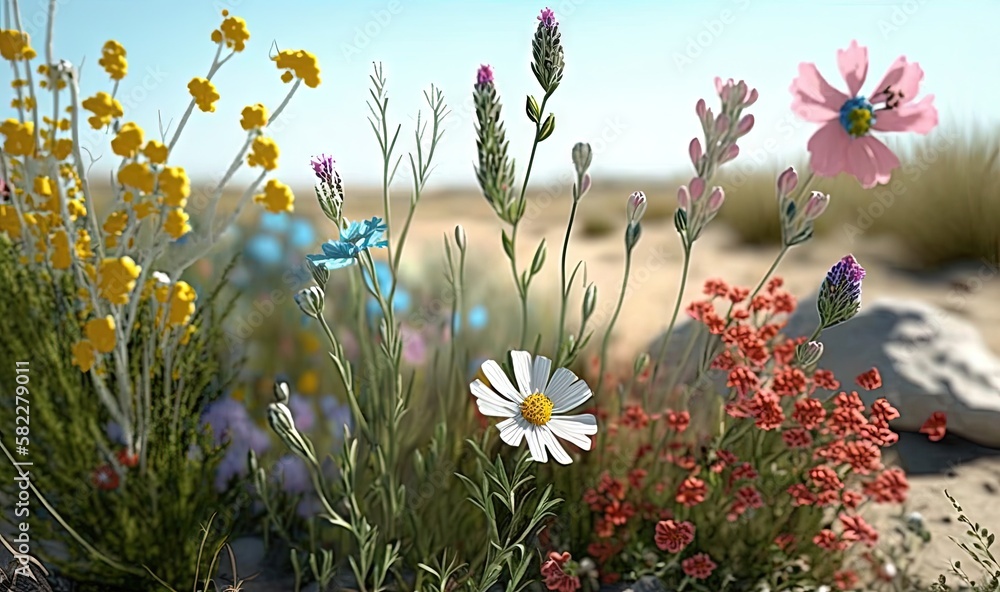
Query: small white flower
[
  {"x": 161, "y": 277},
  {"x": 533, "y": 410}
]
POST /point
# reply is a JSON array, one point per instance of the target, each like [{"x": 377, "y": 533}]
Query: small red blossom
[
  {"x": 797, "y": 438},
  {"x": 789, "y": 382},
  {"x": 935, "y": 426},
  {"x": 691, "y": 492},
  {"x": 827, "y": 539},
  {"x": 743, "y": 380},
  {"x": 883, "y": 411},
  {"x": 738, "y": 294},
  {"x": 105, "y": 478},
  {"x": 699, "y": 566},
  {"x": 870, "y": 380},
  {"x": 824, "y": 379},
  {"x": 825, "y": 478},
  {"x": 809, "y": 413},
  {"x": 856, "y": 529},
  {"x": 766, "y": 409},
  {"x": 851, "y": 499},
  {"x": 802, "y": 495},
  {"x": 846, "y": 580},
  {"x": 716, "y": 287},
  {"x": 636, "y": 477},
  {"x": 555, "y": 578},
  {"x": 678, "y": 420},
  {"x": 127, "y": 460},
  {"x": 635, "y": 417},
  {"x": 672, "y": 536},
  {"x": 618, "y": 513},
  {"x": 890, "y": 486}
]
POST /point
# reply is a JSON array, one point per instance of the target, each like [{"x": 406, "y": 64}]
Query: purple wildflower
[
  {"x": 232, "y": 425},
  {"x": 302, "y": 413},
  {"x": 293, "y": 475},
  {"x": 485, "y": 75},
  {"x": 323, "y": 168},
  {"x": 840, "y": 294},
  {"x": 547, "y": 18}
]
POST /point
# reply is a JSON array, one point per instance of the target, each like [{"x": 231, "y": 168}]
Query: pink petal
[
  {"x": 902, "y": 77},
  {"x": 853, "y": 63},
  {"x": 870, "y": 161},
  {"x": 919, "y": 117},
  {"x": 813, "y": 97},
  {"x": 828, "y": 150}
]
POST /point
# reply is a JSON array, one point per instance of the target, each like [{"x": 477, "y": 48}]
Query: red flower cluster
[
  {"x": 106, "y": 478},
  {"x": 556, "y": 578}
]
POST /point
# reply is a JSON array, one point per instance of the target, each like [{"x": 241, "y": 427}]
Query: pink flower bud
[
  {"x": 694, "y": 151},
  {"x": 741, "y": 91},
  {"x": 722, "y": 124},
  {"x": 700, "y": 107},
  {"x": 697, "y": 188},
  {"x": 787, "y": 181},
  {"x": 585, "y": 186},
  {"x": 752, "y": 98},
  {"x": 816, "y": 205},
  {"x": 744, "y": 126},
  {"x": 635, "y": 207},
  {"x": 732, "y": 152},
  {"x": 715, "y": 199},
  {"x": 683, "y": 198}
]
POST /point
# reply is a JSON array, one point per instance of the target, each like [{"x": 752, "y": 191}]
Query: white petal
[
  {"x": 521, "y": 360},
  {"x": 585, "y": 424},
  {"x": 549, "y": 440},
  {"x": 500, "y": 382},
  {"x": 561, "y": 380},
  {"x": 490, "y": 403},
  {"x": 571, "y": 398},
  {"x": 512, "y": 430},
  {"x": 540, "y": 372},
  {"x": 538, "y": 453},
  {"x": 566, "y": 431}
]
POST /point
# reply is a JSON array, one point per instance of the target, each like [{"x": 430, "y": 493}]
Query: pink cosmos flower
[{"x": 844, "y": 143}]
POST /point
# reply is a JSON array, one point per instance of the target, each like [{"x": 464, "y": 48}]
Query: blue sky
[{"x": 634, "y": 71}]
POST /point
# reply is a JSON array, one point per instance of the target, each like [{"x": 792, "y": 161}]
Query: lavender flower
[
  {"x": 302, "y": 412},
  {"x": 485, "y": 75},
  {"x": 547, "y": 53},
  {"x": 547, "y": 18},
  {"x": 840, "y": 294},
  {"x": 232, "y": 425},
  {"x": 323, "y": 168},
  {"x": 293, "y": 474},
  {"x": 330, "y": 192}
]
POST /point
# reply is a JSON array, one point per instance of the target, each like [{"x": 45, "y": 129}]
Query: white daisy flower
[{"x": 533, "y": 410}]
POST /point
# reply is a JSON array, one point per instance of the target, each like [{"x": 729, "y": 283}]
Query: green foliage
[
  {"x": 977, "y": 546},
  {"x": 153, "y": 518}
]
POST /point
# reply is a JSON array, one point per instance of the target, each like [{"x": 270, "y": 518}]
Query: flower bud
[
  {"x": 582, "y": 157},
  {"x": 730, "y": 154},
  {"x": 641, "y": 361},
  {"x": 321, "y": 275},
  {"x": 589, "y": 301},
  {"x": 840, "y": 293},
  {"x": 716, "y": 199},
  {"x": 701, "y": 108},
  {"x": 281, "y": 391},
  {"x": 752, "y": 98},
  {"x": 585, "y": 186},
  {"x": 635, "y": 207},
  {"x": 683, "y": 198},
  {"x": 807, "y": 354},
  {"x": 694, "y": 151},
  {"x": 697, "y": 189},
  {"x": 722, "y": 124},
  {"x": 744, "y": 126},
  {"x": 816, "y": 205},
  {"x": 279, "y": 416},
  {"x": 787, "y": 181},
  {"x": 310, "y": 301},
  {"x": 460, "y": 237}
]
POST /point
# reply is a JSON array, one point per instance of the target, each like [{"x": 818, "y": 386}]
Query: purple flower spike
[
  {"x": 485, "y": 75},
  {"x": 323, "y": 168},
  {"x": 840, "y": 294},
  {"x": 547, "y": 18}
]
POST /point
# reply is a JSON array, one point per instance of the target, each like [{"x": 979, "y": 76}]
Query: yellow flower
[
  {"x": 181, "y": 307},
  {"x": 62, "y": 148},
  {"x": 302, "y": 63},
  {"x": 156, "y": 152},
  {"x": 104, "y": 107},
  {"x": 116, "y": 279},
  {"x": 138, "y": 175},
  {"x": 264, "y": 153},
  {"x": 20, "y": 137},
  {"x": 254, "y": 117},
  {"x": 233, "y": 31},
  {"x": 76, "y": 209},
  {"x": 43, "y": 186},
  {"x": 83, "y": 250},
  {"x": 15, "y": 45},
  {"x": 113, "y": 60},
  {"x": 277, "y": 197},
  {"x": 175, "y": 185},
  {"x": 101, "y": 333},
  {"x": 128, "y": 141},
  {"x": 176, "y": 224},
  {"x": 83, "y": 355},
  {"x": 144, "y": 209},
  {"x": 186, "y": 337},
  {"x": 204, "y": 93},
  {"x": 116, "y": 222},
  {"x": 308, "y": 383},
  {"x": 60, "y": 250},
  {"x": 9, "y": 222}
]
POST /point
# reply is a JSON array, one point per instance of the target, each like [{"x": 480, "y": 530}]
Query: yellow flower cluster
[
  {"x": 137, "y": 175},
  {"x": 60, "y": 250},
  {"x": 254, "y": 117},
  {"x": 9, "y": 221},
  {"x": 128, "y": 141},
  {"x": 19, "y": 137},
  {"x": 179, "y": 299},
  {"x": 83, "y": 355},
  {"x": 15, "y": 45},
  {"x": 175, "y": 185},
  {"x": 100, "y": 339},
  {"x": 113, "y": 60},
  {"x": 277, "y": 197},
  {"x": 156, "y": 152},
  {"x": 104, "y": 107},
  {"x": 176, "y": 224},
  {"x": 263, "y": 153},
  {"x": 302, "y": 63},
  {"x": 204, "y": 93},
  {"x": 233, "y": 32},
  {"x": 116, "y": 278},
  {"x": 114, "y": 226}
]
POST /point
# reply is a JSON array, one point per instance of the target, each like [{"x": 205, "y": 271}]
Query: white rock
[{"x": 929, "y": 360}]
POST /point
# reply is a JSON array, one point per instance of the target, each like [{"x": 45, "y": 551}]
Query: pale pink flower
[{"x": 844, "y": 144}]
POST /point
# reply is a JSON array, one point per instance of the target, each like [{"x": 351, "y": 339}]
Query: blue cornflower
[
  {"x": 477, "y": 318},
  {"x": 265, "y": 249},
  {"x": 358, "y": 237}
]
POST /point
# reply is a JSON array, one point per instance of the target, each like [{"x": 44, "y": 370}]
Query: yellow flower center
[
  {"x": 537, "y": 409},
  {"x": 860, "y": 122}
]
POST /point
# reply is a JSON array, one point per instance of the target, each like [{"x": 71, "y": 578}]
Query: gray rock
[
  {"x": 929, "y": 360},
  {"x": 646, "y": 584}
]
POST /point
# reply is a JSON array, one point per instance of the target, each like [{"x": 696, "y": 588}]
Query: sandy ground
[{"x": 969, "y": 291}]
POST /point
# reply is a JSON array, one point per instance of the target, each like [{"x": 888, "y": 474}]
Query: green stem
[
  {"x": 614, "y": 319},
  {"x": 564, "y": 295},
  {"x": 673, "y": 317}
]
